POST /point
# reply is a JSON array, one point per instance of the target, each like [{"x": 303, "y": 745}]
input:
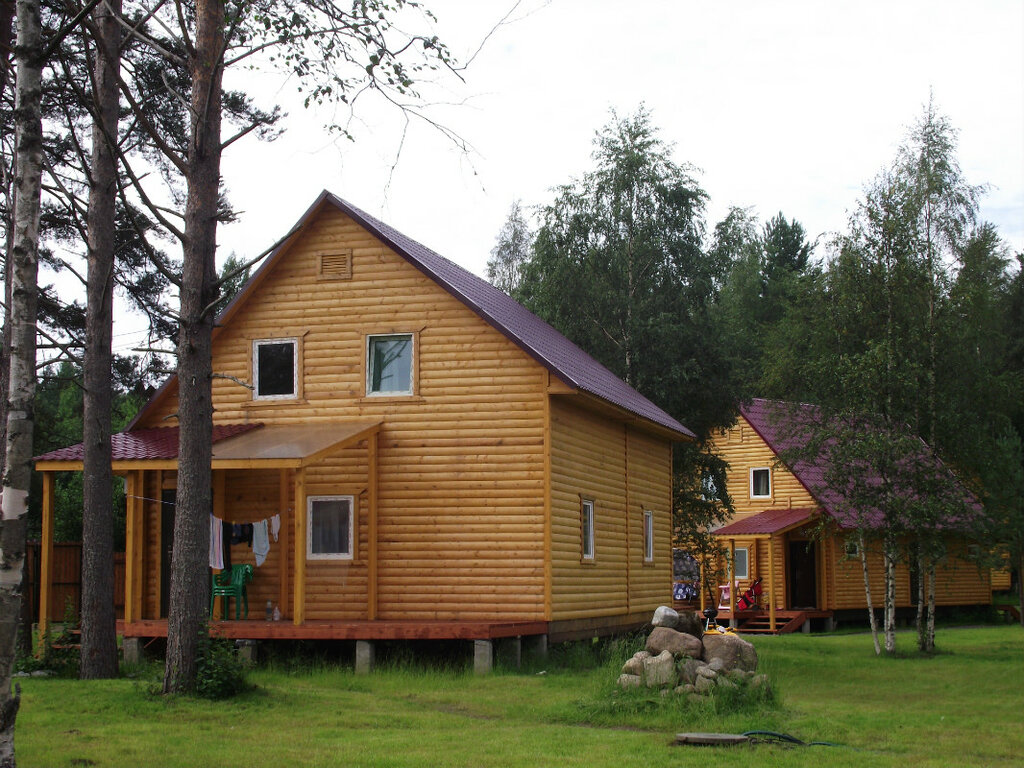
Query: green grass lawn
[{"x": 962, "y": 707}]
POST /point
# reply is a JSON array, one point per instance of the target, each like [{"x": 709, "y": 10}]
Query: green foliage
[{"x": 220, "y": 673}]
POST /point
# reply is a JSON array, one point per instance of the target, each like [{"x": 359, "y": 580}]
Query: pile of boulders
[{"x": 680, "y": 657}]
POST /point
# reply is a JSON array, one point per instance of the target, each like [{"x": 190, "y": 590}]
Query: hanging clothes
[
  {"x": 275, "y": 526},
  {"x": 227, "y": 528},
  {"x": 260, "y": 541},
  {"x": 216, "y": 542}
]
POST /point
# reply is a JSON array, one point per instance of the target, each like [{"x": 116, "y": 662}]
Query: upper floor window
[
  {"x": 275, "y": 364},
  {"x": 587, "y": 515},
  {"x": 648, "y": 536},
  {"x": 760, "y": 483},
  {"x": 389, "y": 364}
]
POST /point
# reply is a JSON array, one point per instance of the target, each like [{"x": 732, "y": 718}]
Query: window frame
[
  {"x": 648, "y": 519},
  {"x": 352, "y": 543},
  {"x": 588, "y": 537},
  {"x": 736, "y": 575},
  {"x": 754, "y": 495},
  {"x": 367, "y": 362},
  {"x": 296, "y": 362}
]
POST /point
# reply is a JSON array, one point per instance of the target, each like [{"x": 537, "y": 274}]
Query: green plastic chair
[{"x": 228, "y": 584}]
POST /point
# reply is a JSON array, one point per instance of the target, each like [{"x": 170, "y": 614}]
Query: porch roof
[
  {"x": 235, "y": 446},
  {"x": 768, "y": 522}
]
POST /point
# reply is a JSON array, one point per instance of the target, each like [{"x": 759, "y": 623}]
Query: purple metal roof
[
  {"x": 534, "y": 336},
  {"x": 779, "y": 425},
  {"x": 769, "y": 521},
  {"x": 154, "y": 443}
]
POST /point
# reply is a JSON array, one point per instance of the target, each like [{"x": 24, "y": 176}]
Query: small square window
[
  {"x": 760, "y": 483},
  {"x": 389, "y": 368},
  {"x": 330, "y": 527},
  {"x": 588, "y": 529},
  {"x": 741, "y": 565},
  {"x": 275, "y": 365},
  {"x": 852, "y": 549},
  {"x": 648, "y": 536}
]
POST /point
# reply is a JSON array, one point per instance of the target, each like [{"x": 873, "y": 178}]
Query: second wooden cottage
[
  {"x": 431, "y": 459},
  {"x": 774, "y": 534}
]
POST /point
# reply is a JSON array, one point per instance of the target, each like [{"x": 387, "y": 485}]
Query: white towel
[
  {"x": 260, "y": 541},
  {"x": 216, "y": 543},
  {"x": 275, "y": 526}
]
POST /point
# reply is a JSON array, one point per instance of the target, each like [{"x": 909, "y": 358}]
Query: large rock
[
  {"x": 734, "y": 651},
  {"x": 691, "y": 623},
  {"x": 635, "y": 665},
  {"x": 678, "y": 644},
  {"x": 688, "y": 670},
  {"x": 660, "y": 670},
  {"x": 665, "y": 617}
]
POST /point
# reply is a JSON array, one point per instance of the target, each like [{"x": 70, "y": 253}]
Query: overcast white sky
[{"x": 781, "y": 105}]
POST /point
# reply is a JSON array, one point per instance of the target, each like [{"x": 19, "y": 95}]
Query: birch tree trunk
[
  {"x": 922, "y": 640},
  {"x": 890, "y": 598},
  {"x": 99, "y": 620},
  {"x": 23, "y": 266},
  {"x": 867, "y": 596},
  {"x": 930, "y": 633},
  {"x": 190, "y": 557}
]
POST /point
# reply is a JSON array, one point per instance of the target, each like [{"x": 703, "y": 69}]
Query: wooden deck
[
  {"x": 252, "y": 629},
  {"x": 758, "y": 622}
]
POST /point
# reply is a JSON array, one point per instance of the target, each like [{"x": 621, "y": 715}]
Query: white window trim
[
  {"x": 351, "y": 529},
  {"x": 588, "y": 538},
  {"x": 412, "y": 366},
  {"x": 746, "y": 571},
  {"x": 760, "y": 496},
  {"x": 256, "y": 344},
  {"x": 648, "y": 536}
]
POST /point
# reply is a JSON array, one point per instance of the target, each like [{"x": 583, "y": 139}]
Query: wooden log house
[
  {"x": 774, "y": 535},
  {"x": 443, "y": 463}
]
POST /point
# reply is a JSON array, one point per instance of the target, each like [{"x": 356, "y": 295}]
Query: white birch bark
[{"x": 23, "y": 264}]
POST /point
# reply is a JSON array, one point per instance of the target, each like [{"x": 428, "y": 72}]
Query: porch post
[
  {"x": 46, "y": 558},
  {"x": 299, "y": 607},
  {"x": 130, "y": 492},
  {"x": 771, "y": 582},
  {"x": 282, "y": 505},
  {"x": 731, "y": 579},
  {"x": 371, "y": 502}
]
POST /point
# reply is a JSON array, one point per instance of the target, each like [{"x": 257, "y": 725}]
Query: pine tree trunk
[
  {"x": 190, "y": 557},
  {"x": 99, "y": 620},
  {"x": 867, "y": 596},
  {"x": 21, "y": 387},
  {"x": 890, "y": 599}
]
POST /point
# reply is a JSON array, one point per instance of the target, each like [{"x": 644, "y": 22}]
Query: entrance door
[
  {"x": 168, "y": 499},
  {"x": 803, "y": 576}
]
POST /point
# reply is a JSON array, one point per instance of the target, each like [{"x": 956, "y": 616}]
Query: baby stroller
[{"x": 751, "y": 598}]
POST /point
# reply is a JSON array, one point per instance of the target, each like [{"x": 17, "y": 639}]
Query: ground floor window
[
  {"x": 330, "y": 527},
  {"x": 741, "y": 563},
  {"x": 587, "y": 514},
  {"x": 648, "y": 536}
]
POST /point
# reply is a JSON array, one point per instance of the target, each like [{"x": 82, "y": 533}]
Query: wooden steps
[{"x": 1012, "y": 610}]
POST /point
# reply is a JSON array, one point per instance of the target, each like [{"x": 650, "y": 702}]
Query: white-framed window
[
  {"x": 648, "y": 536},
  {"x": 275, "y": 369},
  {"x": 587, "y": 528},
  {"x": 741, "y": 563},
  {"x": 852, "y": 549},
  {"x": 760, "y": 483},
  {"x": 330, "y": 527},
  {"x": 389, "y": 364}
]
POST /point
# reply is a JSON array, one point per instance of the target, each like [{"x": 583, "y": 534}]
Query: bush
[{"x": 220, "y": 674}]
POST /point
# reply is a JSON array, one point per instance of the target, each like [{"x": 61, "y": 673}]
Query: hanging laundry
[
  {"x": 275, "y": 526},
  {"x": 241, "y": 533},
  {"x": 227, "y": 528},
  {"x": 260, "y": 542},
  {"x": 216, "y": 542}
]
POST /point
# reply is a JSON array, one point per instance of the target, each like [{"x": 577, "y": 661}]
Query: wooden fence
[{"x": 66, "y": 588}]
